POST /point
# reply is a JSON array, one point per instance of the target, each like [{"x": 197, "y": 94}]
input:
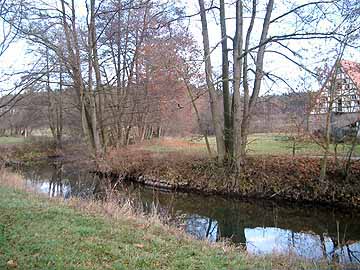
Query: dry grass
[
  {"x": 116, "y": 208},
  {"x": 11, "y": 179},
  {"x": 113, "y": 207}
]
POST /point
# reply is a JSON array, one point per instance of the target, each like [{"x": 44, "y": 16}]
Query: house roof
[{"x": 353, "y": 70}]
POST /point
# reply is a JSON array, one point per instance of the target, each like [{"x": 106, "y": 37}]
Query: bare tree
[
  {"x": 215, "y": 110},
  {"x": 249, "y": 69},
  {"x": 11, "y": 15}
]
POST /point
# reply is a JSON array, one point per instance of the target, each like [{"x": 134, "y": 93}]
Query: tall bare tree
[
  {"x": 214, "y": 100},
  {"x": 249, "y": 71}
]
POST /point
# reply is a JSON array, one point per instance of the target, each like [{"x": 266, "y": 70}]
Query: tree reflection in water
[
  {"x": 202, "y": 228},
  {"x": 56, "y": 181},
  {"x": 267, "y": 240}
]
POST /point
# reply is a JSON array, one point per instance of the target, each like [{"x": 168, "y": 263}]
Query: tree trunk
[
  {"x": 237, "y": 69},
  {"x": 215, "y": 112},
  {"x": 249, "y": 102},
  {"x": 86, "y": 101},
  {"x": 351, "y": 151},
  {"x": 204, "y": 132},
  {"x": 97, "y": 113},
  {"x": 328, "y": 123},
  {"x": 225, "y": 84}
]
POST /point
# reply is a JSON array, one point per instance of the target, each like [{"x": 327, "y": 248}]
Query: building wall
[
  {"x": 318, "y": 121},
  {"x": 346, "y": 96}
]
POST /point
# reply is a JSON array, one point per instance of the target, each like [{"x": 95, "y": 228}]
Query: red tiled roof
[{"x": 353, "y": 70}]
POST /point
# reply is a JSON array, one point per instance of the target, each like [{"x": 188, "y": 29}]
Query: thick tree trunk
[
  {"x": 97, "y": 111},
  {"x": 91, "y": 109},
  {"x": 74, "y": 60},
  {"x": 87, "y": 102},
  {"x": 350, "y": 154}
]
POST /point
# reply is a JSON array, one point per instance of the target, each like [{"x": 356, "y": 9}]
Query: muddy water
[{"x": 260, "y": 226}]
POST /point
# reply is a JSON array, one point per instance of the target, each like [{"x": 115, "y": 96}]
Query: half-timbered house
[
  {"x": 339, "y": 97},
  {"x": 341, "y": 90}
]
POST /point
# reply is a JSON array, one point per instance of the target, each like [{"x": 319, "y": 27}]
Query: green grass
[
  {"x": 278, "y": 144},
  {"x": 157, "y": 148},
  {"x": 259, "y": 144},
  {"x": 38, "y": 233},
  {"x": 11, "y": 140}
]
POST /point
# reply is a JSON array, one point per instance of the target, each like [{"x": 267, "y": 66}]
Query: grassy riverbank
[
  {"x": 42, "y": 233},
  {"x": 37, "y": 233}
]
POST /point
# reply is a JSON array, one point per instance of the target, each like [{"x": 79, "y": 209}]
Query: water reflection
[
  {"x": 203, "y": 228},
  {"x": 261, "y": 227},
  {"x": 56, "y": 181},
  {"x": 270, "y": 240},
  {"x": 309, "y": 245},
  {"x": 267, "y": 240}
]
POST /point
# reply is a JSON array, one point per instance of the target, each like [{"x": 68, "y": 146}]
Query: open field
[
  {"x": 279, "y": 144},
  {"x": 259, "y": 144},
  {"x": 11, "y": 140}
]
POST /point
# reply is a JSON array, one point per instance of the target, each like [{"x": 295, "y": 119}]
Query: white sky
[
  {"x": 16, "y": 58},
  {"x": 312, "y": 51}
]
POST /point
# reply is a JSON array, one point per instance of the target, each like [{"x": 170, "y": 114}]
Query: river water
[{"x": 262, "y": 227}]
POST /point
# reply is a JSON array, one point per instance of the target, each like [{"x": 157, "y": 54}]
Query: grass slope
[{"x": 36, "y": 233}]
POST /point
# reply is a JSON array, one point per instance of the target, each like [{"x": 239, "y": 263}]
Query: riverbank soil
[{"x": 263, "y": 176}]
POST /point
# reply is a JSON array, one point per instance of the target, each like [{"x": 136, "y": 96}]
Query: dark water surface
[{"x": 261, "y": 226}]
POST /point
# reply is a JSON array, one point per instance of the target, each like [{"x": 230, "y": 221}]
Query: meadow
[{"x": 258, "y": 144}]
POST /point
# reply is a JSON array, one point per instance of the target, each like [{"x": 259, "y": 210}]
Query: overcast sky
[
  {"x": 313, "y": 52},
  {"x": 18, "y": 57}
]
